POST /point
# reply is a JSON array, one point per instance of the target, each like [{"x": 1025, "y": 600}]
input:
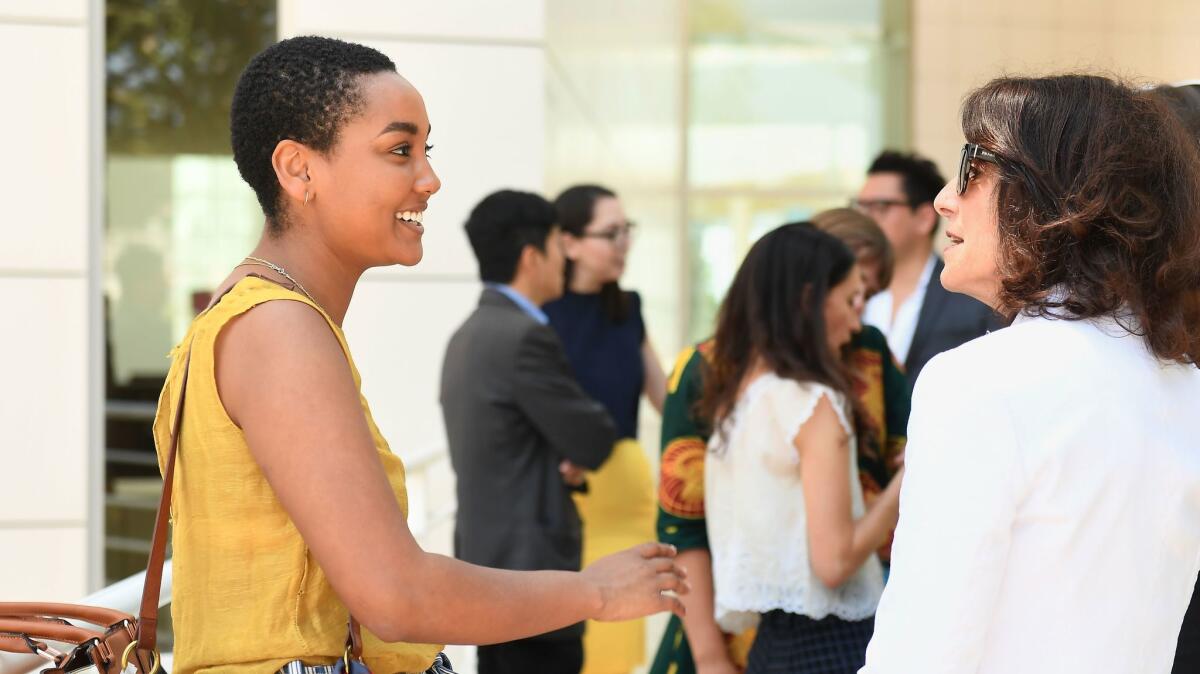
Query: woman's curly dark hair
[
  {"x": 303, "y": 89},
  {"x": 1098, "y": 205}
]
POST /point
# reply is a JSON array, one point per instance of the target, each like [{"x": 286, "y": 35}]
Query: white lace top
[{"x": 754, "y": 502}]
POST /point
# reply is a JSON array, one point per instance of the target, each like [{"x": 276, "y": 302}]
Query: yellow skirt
[{"x": 618, "y": 512}]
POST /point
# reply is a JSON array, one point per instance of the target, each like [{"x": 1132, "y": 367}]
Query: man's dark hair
[
  {"x": 303, "y": 89},
  {"x": 500, "y": 227},
  {"x": 920, "y": 178},
  {"x": 1184, "y": 100}
]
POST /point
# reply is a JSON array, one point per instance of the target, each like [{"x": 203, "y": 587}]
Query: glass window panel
[
  {"x": 177, "y": 216},
  {"x": 789, "y": 102}
]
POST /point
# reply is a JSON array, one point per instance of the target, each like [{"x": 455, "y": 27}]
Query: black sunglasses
[{"x": 970, "y": 153}]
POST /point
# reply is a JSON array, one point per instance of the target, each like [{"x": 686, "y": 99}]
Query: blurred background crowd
[{"x": 685, "y": 130}]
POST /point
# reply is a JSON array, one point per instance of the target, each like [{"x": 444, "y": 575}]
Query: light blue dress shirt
[{"x": 535, "y": 312}]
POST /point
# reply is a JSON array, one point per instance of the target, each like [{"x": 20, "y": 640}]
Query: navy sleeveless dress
[{"x": 619, "y": 509}]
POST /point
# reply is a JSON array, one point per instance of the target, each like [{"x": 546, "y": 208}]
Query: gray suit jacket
[
  {"x": 947, "y": 320},
  {"x": 513, "y": 411}
]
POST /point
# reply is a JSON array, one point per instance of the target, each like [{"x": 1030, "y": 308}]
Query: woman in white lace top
[{"x": 791, "y": 540}]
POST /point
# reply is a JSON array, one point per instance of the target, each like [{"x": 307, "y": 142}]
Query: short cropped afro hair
[{"x": 303, "y": 89}]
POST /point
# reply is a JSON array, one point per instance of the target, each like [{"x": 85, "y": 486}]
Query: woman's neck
[
  {"x": 908, "y": 275},
  {"x": 328, "y": 281},
  {"x": 757, "y": 367},
  {"x": 583, "y": 283}
]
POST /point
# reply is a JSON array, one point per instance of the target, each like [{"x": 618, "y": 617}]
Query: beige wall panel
[
  {"x": 43, "y": 564},
  {"x": 43, "y": 10},
  {"x": 398, "y": 332},
  {"x": 43, "y": 401},
  {"x": 1181, "y": 54},
  {"x": 461, "y": 19},
  {"x": 44, "y": 173},
  {"x": 1147, "y": 41}
]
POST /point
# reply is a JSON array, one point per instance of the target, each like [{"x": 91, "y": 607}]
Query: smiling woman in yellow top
[{"x": 289, "y": 507}]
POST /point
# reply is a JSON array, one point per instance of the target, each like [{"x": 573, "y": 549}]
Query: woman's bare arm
[
  {"x": 285, "y": 381},
  {"x": 655, "y": 384},
  {"x": 838, "y": 544},
  {"x": 707, "y": 641}
]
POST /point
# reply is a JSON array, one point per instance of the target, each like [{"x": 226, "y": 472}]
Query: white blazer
[{"x": 1050, "y": 512}]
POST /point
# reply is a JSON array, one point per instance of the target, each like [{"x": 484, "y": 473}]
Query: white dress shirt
[
  {"x": 1050, "y": 512},
  {"x": 901, "y": 329}
]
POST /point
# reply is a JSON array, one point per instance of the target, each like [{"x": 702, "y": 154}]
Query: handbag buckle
[{"x": 155, "y": 658}]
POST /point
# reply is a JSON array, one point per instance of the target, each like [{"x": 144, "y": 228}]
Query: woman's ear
[
  {"x": 570, "y": 245},
  {"x": 290, "y": 161}
]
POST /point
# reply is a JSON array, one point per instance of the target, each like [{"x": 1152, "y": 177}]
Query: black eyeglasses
[
  {"x": 970, "y": 153},
  {"x": 612, "y": 234}
]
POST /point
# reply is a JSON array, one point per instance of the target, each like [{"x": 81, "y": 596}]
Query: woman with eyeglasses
[
  {"x": 1077, "y": 213},
  {"x": 605, "y": 339}
]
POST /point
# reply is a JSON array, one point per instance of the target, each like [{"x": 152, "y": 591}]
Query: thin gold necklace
[{"x": 282, "y": 272}]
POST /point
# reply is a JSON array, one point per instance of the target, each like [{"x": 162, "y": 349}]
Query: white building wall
[
  {"x": 49, "y": 463},
  {"x": 1149, "y": 42}
]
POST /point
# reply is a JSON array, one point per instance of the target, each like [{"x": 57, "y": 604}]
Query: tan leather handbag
[
  {"x": 74, "y": 637},
  {"x": 79, "y": 638}
]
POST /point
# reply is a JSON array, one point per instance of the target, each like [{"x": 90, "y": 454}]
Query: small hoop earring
[{"x": 305, "y": 197}]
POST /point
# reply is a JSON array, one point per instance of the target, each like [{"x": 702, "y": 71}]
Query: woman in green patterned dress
[{"x": 695, "y": 645}]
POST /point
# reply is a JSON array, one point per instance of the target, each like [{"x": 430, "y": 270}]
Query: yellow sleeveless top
[{"x": 247, "y": 595}]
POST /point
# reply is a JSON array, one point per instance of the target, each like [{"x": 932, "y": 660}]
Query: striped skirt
[{"x": 441, "y": 665}]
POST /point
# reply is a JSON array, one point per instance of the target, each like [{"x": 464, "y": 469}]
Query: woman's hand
[{"x": 632, "y": 583}]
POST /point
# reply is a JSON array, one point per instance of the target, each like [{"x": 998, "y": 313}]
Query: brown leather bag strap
[
  {"x": 95, "y": 615},
  {"x": 44, "y": 629},
  {"x": 147, "y": 630},
  {"x": 354, "y": 640}
]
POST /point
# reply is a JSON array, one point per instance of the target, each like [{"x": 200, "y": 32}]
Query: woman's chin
[
  {"x": 950, "y": 279},
  {"x": 984, "y": 290},
  {"x": 408, "y": 255},
  {"x": 412, "y": 259}
]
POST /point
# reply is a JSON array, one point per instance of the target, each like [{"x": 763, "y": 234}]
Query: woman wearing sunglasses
[
  {"x": 605, "y": 339},
  {"x": 1077, "y": 213}
]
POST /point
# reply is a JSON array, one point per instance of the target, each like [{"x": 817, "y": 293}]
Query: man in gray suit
[
  {"x": 518, "y": 424},
  {"x": 919, "y": 317}
]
